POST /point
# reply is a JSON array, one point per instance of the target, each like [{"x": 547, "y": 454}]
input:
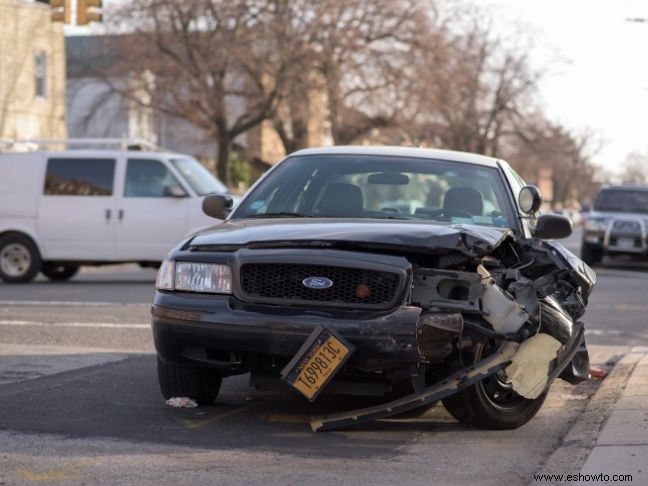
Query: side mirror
[
  {"x": 552, "y": 227},
  {"x": 530, "y": 199},
  {"x": 174, "y": 191},
  {"x": 217, "y": 205}
]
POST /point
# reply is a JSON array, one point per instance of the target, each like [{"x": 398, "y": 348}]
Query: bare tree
[
  {"x": 475, "y": 87},
  {"x": 635, "y": 169},
  {"x": 355, "y": 55},
  {"x": 219, "y": 64},
  {"x": 542, "y": 144}
]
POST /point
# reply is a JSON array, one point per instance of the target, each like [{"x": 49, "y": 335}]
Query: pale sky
[{"x": 602, "y": 81}]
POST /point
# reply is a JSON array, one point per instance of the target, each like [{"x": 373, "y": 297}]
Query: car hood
[{"x": 471, "y": 240}]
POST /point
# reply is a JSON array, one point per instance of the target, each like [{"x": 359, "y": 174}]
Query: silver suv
[{"x": 617, "y": 224}]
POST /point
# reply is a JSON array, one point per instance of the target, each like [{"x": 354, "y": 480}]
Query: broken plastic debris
[
  {"x": 529, "y": 368},
  {"x": 181, "y": 402},
  {"x": 598, "y": 373}
]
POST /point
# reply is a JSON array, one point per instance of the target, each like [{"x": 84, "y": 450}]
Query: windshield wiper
[{"x": 281, "y": 214}]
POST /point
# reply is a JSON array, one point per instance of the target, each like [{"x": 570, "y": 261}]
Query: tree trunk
[{"x": 222, "y": 160}]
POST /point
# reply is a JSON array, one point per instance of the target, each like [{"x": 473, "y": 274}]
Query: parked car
[
  {"x": 61, "y": 210},
  {"x": 617, "y": 224},
  {"x": 312, "y": 284}
]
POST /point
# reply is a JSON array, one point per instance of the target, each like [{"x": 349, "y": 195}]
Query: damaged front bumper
[
  {"x": 219, "y": 331},
  {"x": 456, "y": 382}
]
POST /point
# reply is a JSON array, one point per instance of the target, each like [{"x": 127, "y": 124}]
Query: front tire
[
  {"x": 492, "y": 403},
  {"x": 20, "y": 260},
  {"x": 59, "y": 272},
  {"x": 182, "y": 380}
]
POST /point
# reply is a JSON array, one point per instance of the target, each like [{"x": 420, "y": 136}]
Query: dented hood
[{"x": 471, "y": 240}]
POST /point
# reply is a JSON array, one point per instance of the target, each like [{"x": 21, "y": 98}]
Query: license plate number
[
  {"x": 625, "y": 242},
  {"x": 317, "y": 361}
]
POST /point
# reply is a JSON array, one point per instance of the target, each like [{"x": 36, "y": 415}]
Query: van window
[
  {"x": 149, "y": 178},
  {"x": 79, "y": 177}
]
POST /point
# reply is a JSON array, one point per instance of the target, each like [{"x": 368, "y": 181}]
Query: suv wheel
[
  {"x": 591, "y": 255},
  {"x": 19, "y": 259},
  {"x": 59, "y": 272},
  {"x": 181, "y": 380},
  {"x": 492, "y": 403}
]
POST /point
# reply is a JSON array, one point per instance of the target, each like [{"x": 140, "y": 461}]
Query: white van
[{"x": 60, "y": 210}]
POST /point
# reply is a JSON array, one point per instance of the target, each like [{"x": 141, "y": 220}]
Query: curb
[{"x": 575, "y": 447}]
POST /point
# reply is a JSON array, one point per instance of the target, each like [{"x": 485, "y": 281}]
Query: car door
[
  {"x": 151, "y": 210},
  {"x": 77, "y": 208}
]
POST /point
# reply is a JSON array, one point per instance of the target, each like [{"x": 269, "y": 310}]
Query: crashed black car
[{"x": 420, "y": 275}]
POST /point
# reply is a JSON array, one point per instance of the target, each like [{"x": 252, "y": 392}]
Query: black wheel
[
  {"x": 591, "y": 256},
  {"x": 181, "y": 380},
  {"x": 492, "y": 403},
  {"x": 19, "y": 258},
  {"x": 59, "y": 272}
]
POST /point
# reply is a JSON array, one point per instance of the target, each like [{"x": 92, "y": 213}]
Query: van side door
[
  {"x": 77, "y": 208},
  {"x": 152, "y": 210}
]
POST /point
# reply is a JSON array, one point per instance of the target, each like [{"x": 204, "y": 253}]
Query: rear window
[
  {"x": 622, "y": 200},
  {"x": 79, "y": 177}
]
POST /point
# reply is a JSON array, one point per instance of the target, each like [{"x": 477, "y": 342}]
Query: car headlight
[
  {"x": 596, "y": 224},
  {"x": 165, "y": 275},
  {"x": 213, "y": 278}
]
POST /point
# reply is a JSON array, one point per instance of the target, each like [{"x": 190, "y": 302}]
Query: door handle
[
  {"x": 108, "y": 214},
  {"x": 120, "y": 214}
]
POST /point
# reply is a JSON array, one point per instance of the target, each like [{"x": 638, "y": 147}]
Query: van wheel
[
  {"x": 181, "y": 380},
  {"x": 19, "y": 258},
  {"x": 59, "y": 272},
  {"x": 492, "y": 403}
]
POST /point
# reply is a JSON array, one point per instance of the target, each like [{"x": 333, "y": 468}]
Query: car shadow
[{"x": 121, "y": 400}]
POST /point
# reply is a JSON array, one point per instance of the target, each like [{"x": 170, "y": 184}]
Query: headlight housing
[
  {"x": 214, "y": 278},
  {"x": 593, "y": 224}
]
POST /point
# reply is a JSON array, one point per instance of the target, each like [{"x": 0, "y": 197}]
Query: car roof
[
  {"x": 395, "y": 151},
  {"x": 95, "y": 153}
]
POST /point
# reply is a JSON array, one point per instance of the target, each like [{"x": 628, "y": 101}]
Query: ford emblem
[{"x": 317, "y": 283}]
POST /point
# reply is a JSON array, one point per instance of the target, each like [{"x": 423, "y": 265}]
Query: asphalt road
[{"x": 80, "y": 404}]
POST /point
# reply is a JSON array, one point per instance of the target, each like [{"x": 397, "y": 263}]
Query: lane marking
[
  {"x": 106, "y": 325},
  {"x": 71, "y": 303}
]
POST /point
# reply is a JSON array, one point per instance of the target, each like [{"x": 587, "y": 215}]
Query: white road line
[
  {"x": 54, "y": 303},
  {"x": 105, "y": 325}
]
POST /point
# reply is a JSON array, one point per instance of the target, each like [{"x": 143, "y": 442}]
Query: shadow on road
[{"x": 121, "y": 400}]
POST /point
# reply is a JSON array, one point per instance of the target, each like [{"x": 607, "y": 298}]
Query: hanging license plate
[{"x": 317, "y": 361}]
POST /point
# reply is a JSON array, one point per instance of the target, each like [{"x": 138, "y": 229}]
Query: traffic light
[
  {"x": 88, "y": 11},
  {"x": 61, "y": 10}
]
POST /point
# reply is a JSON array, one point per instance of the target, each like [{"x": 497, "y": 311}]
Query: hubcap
[{"x": 15, "y": 260}]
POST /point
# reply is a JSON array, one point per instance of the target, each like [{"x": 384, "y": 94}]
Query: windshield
[
  {"x": 622, "y": 200},
  {"x": 199, "y": 178},
  {"x": 381, "y": 187}
]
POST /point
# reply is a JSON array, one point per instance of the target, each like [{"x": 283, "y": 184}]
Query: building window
[{"x": 40, "y": 74}]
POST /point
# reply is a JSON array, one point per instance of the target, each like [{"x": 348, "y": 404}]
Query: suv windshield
[
  {"x": 200, "y": 179},
  {"x": 623, "y": 200},
  {"x": 381, "y": 187}
]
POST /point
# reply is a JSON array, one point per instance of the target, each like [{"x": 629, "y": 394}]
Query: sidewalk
[{"x": 622, "y": 445}]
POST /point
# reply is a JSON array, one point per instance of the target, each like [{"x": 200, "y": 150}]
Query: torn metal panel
[
  {"x": 454, "y": 383},
  {"x": 435, "y": 333},
  {"x": 529, "y": 369},
  {"x": 447, "y": 289}
]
